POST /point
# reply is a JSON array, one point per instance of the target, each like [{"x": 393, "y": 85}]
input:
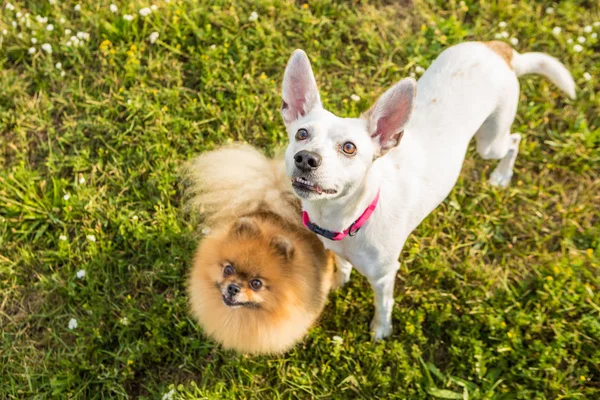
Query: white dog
[{"x": 357, "y": 173}]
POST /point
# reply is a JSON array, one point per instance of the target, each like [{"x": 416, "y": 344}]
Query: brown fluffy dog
[{"x": 260, "y": 279}]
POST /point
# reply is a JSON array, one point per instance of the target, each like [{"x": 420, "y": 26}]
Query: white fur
[{"x": 469, "y": 90}]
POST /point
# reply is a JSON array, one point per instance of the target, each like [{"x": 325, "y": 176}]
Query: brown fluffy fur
[{"x": 256, "y": 228}]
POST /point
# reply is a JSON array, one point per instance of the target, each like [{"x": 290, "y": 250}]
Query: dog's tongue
[{"x": 319, "y": 190}]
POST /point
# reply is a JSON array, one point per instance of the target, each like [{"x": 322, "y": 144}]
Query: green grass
[{"x": 499, "y": 291}]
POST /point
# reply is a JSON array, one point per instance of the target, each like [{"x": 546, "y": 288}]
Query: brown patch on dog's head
[{"x": 502, "y": 49}]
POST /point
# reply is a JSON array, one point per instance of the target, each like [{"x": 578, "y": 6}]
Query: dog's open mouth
[
  {"x": 305, "y": 184},
  {"x": 235, "y": 304}
]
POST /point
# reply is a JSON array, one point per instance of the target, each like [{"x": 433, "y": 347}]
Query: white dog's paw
[
  {"x": 380, "y": 330},
  {"x": 500, "y": 179}
]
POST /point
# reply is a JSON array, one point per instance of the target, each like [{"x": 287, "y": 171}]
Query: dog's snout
[
  {"x": 307, "y": 160},
  {"x": 233, "y": 289}
]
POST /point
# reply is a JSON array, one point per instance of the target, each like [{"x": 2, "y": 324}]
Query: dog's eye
[
  {"x": 349, "y": 148},
  {"x": 302, "y": 134},
  {"x": 228, "y": 270},
  {"x": 255, "y": 284}
]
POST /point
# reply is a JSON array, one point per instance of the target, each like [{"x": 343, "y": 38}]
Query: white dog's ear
[
  {"x": 300, "y": 93},
  {"x": 387, "y": 118}
]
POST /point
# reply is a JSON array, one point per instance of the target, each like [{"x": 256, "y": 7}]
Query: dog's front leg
[{"x": 383, "y": 289}]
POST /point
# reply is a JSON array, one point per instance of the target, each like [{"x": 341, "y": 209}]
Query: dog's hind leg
[
  {"x": 494, "y": 141},
  {"x": 504, "y": 170},
  {"x": 342, "y": 272}
]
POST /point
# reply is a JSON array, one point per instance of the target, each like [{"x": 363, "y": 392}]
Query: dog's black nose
[
  {"x": 307, "y": 160},
  {"x": 233, "y": 289}
]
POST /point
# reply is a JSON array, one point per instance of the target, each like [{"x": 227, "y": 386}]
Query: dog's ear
[
  {"x": 389, "y": 115},
  {"x": 299, "y": 93},
  {"x": 283, "y": 247},
  {"x": 246, "y": 227}
]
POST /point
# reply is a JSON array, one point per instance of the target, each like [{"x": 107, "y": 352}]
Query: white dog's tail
[
  {"x": 548, "y": 66},
  {"x": 237, "y": 180}
]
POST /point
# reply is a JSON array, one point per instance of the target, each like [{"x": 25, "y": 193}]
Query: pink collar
[{"x": 352, "y": 229}]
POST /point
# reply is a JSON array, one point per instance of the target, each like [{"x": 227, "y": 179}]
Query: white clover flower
[
  {"x": 75, "y": 41},
  {"x": 253, "y": 16},
  {"x": 129, "y": 102},
  {"x": 19, "y": 15},
  {"x": 144, "y": 12},
  {"x": 77, "y": 7},
  {"x": 549, "y": 10},
  {"x": 31, "y": 50},
  {"x": 169, "y": 395},
  {"x": 153, "y": 37},
  {"x": 62, "y": 238},
  {"x": 355, "y": 97},
  {"x": 81, "y": 180},
  {"x": 80, "y": 274},
  {"x": 594, "y": 35},
  {"x": 9, "y": 6},
  {"x": 20, "y": 35},
  {"x": 50, "y": 27},
  {"x": 67, "y": 196},
  {"x": 124, "y": 321},
  {"x": 581, "y": 39},
  {"x": 337, "y": 340},
  {"x": 40, "y": 19},
  {"x": 62, "y": 73},
  {"x": 135, "y": 217},
  {"x": 569, "y": 40},
  {"x": 113, "y": 8},
  {"x": 14, "y": 24},
  {"x": 412, "y": 75},
  {"x": 28, "y": 23},
  {"x": 502, "y": 24},
  {"x": 91, "y": 238},
  {"x": 514, "y": 41},
  {"x": 67, "y": 32},
  {"x": 72, "y": 323},
  {"x": 83, "y": 35},
  {"x": 4, "y": 31},
  {"x": 33, "y": 40},
  {"x": 419, "y": 69},
  {"x": 556, "y": 30},
  {"x": 587, "y": 76},
  {"x": 504, "y": 35},
  {"x": 153, "y": 7},
  {"x": 47, "y": 47},
  {"x": 596, "y": 24},
  {"x": 62, "y": 20},
  {"x": 128, "y": 17},
  {"x": 587, "y": 29},
  {"x": 578, "y": 48},
  {"x": 213, "y": 46},
  {"x": 52, "y": 2},
  {"x": 58, "y": 65}
]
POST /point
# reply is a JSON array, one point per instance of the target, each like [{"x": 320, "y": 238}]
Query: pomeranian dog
[{"x": 259, "y": 279}]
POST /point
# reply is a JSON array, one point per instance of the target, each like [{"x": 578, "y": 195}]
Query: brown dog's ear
[
  {"x": 299, "y": 92},
  {"x": 389, "y": 115},
  {"x": 283, "y": 247},
  {"x": 246, "y": 227}
]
